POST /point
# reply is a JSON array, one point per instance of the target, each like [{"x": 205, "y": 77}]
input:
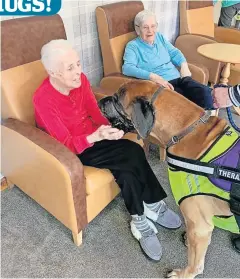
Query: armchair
[
  {"x": 197, "y": 28},
  {"x": 35, "y": 162}
]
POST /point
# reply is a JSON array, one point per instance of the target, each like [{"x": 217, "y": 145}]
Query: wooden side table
[{"x": 221, "y": 52}]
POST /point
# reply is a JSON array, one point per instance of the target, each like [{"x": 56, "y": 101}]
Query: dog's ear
[{"x": 142, "y": 116}]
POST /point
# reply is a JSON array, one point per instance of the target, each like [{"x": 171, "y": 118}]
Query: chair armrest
[
  {"x": 227, "y": 35},
  {"x": 45, "y": 170},
  {"x": 99, "y": 96},
  {"x": 101, "y": 93},
  {"x": 114, "y": 81},
  {"x": 199, "y": 73},
  {"x": 189, "y": 44}
]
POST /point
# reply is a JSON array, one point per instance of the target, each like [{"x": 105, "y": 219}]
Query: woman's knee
[
  {"x": 134, "y": 148},
  {"x": 134, "y": 154},
  {"x": 203, "y": 98},
  {"x": 207, "y": 93}
]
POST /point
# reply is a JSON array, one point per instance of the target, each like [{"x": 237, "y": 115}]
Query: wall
[{"x": 80, "y": 23}]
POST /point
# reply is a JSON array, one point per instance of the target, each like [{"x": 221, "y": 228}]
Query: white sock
[
  {"x": 141, "y": 225},
  {"x": 152, "y": 210},
  {"x": 140, "y": 222},
  {"x": 153, "y": 206}
]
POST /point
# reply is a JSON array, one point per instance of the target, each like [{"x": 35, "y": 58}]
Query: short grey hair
[
  {"x": 51, "y": 52},
  {"x": 141, "y": 17}
]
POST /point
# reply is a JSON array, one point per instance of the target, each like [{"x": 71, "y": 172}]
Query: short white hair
[
  {"x": 141, "y": 17},
  {"x": 51, "y": 52}
]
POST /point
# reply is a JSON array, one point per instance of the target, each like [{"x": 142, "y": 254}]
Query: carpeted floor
[{"x": 35, "y": 245}]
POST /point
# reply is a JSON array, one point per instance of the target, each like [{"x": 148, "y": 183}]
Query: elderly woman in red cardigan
[{"x": 66, "y": 108}]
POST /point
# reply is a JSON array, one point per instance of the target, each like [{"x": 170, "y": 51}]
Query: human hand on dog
[
  {"x": 159, "y": 80},
  {"x": 221, "y": 97},
  {"x": 105, "y": 132}
]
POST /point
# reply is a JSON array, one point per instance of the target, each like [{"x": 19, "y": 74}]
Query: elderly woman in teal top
[{"x": 150, "y": 56}]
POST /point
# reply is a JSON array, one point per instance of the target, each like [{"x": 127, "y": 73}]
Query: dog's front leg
[
  {"x": 198, "y": 219},
  {"x": 198, "y": 241}
]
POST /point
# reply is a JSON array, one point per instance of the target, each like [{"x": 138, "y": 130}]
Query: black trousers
[
  {"x": 128, "y": 164},
  {"x": 194, "y": 91}
]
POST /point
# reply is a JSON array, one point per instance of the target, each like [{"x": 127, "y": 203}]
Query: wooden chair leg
[
  {"x": 77, "y": 238},
  {"x": 10, "y": 184},
  {"x": 6, "y": 184},
  {"x": 162, "y": 154}
]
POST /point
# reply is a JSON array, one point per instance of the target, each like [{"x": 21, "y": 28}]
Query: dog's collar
[
  {"x": 175, "y": 139},
  {"x": 203, "y": 119}
]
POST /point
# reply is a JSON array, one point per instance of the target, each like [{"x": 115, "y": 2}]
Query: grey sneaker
[
  {"x": 164, "y": 216},
  {"x": 145, "y": 232},
  {"x": 168, "y": 218}
]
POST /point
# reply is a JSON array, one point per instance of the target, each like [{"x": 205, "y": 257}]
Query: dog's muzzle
[{"x": 113, "y": 111}]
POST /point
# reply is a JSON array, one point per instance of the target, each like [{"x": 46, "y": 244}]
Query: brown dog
[{"x": 166, "y": 114}]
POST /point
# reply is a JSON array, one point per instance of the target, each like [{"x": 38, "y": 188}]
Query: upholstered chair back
[
  {"x": 196, "y": 17},
  {"x": 22, "y": 71},
  {"x": 116, "y": 28}
]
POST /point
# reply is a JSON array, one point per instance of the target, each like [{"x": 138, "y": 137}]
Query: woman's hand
[
  {"x": 105, "y": 133},
  {"x": 159, "y": 80},
  {"x": 184, "y": 71}
]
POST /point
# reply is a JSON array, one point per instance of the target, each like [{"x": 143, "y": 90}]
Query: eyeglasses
[{"x": 147, "y": 28}]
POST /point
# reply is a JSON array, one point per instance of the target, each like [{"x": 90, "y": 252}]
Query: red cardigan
[{"x": 69, "y": 119}]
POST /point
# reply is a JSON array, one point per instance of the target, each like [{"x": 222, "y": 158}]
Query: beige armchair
[
  {"x": 35, "y": 162},
  {"x": 197, "y": 28}
]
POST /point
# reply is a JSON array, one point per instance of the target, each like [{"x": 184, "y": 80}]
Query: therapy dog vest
[{"x": 225, "y": 151}]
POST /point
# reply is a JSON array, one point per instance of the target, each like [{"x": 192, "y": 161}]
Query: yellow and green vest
[{"x": 186, "y": 184}]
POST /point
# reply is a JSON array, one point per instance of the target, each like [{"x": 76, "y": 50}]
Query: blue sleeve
[
  {"x": 129, "y": 67},
  {"x": 176, "y": 55},
  {"x": 214, "y": 2}
]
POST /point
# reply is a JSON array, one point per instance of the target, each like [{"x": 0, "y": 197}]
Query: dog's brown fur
[{"x": 175, "y": 113}]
